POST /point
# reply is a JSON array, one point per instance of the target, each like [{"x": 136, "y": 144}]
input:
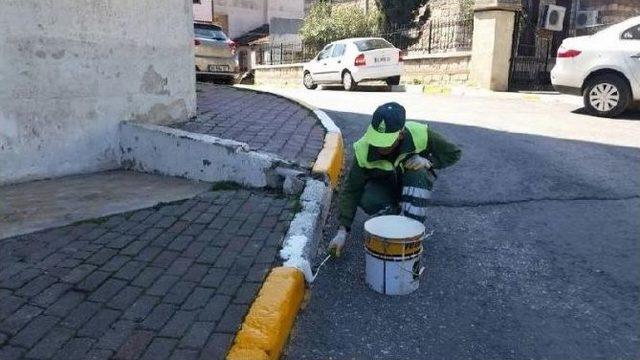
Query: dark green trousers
[{"x": 410, "y": 197}]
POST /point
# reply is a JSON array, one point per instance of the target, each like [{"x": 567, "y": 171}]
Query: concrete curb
[
  {"x": 175, "y": 152},
  {"x": 266, "y": 327},
  {"x": 301, "y": 241}
]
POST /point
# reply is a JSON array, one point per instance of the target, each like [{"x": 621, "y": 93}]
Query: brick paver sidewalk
[
  {"x": 173, "y": 281},
  {"x": 266, "y": 122}
]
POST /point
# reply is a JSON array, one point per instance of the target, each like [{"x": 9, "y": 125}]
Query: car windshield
[
  {"x": 372, "y": 44},
  {"x": 209, "y": 33}
]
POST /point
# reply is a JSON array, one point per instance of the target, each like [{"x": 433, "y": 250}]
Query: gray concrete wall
[{"x": 71, "y": 70}]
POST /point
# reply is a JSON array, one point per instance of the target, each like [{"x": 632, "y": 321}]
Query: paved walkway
[
  {"x": 266, "y": 122},
  {"x": 172, "y": 281}
]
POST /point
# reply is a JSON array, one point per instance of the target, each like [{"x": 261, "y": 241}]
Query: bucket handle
[
  {"x": 421, "y": 270},
  {"x": 413, "y": 273},
  {"x": 425, "y": 236}
]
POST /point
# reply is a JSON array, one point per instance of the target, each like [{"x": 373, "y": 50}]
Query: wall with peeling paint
[{"x": 71, "y": 70}]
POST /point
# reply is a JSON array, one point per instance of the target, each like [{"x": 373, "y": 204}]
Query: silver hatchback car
[{"x": 215, "y": 53}]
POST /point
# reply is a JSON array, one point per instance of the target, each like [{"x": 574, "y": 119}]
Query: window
[
  {"x": 196, "y": 1},
  {"x": 338, "y": 50},
  {"x": 372, "y": 44},
  {"x": 631, "y": 34},
  {"x": 325, "y": 53},
  {"x": 210, "y": 33}
]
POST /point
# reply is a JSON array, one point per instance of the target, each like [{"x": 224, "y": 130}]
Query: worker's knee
[
  {"x": 417, "y": 178},
  {"x": 372, "y": 205}
]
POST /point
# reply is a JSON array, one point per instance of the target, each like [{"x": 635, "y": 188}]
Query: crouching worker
[{"x": 393, "y": 169}]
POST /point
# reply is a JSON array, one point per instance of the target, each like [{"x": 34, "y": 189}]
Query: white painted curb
[{"x": 302, "y": 239}]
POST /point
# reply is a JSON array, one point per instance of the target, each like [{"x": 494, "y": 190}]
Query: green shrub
[{"x": 326, "y": 23}]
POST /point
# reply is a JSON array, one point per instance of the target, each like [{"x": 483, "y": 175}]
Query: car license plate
[
  {"x": 216, "y": 68},
  {"x": 382, "y": 59}
]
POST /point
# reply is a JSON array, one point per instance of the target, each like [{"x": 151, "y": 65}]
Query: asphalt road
[{"x": 536, "y": 250}]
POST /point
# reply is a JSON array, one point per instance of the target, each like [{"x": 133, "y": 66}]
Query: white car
[
  {"x": 351, "y": 61},
  {"x": 603, "y": 68}
]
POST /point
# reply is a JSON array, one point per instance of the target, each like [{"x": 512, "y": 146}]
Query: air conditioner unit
[
  {"x": 586, "y": 19},
  {"x": 552, "y": 17}
]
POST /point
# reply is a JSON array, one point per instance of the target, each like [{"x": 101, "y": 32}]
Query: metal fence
[{"x": 432, "y": 37}]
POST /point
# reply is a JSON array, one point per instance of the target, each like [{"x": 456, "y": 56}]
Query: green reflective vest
[{"x": 415, "y": 142}]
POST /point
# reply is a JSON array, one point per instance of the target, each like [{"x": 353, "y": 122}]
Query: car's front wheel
[
  {"x": 307, "y": 81},
  {"x": 347, "y": 81},
  {"x": 607, "y": 95}
]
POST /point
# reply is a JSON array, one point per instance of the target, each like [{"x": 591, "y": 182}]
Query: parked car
[
  {"x": 603, "y": 68},
  {"x": 215, "y": 52},
  {"x": 352, "y": 61}
]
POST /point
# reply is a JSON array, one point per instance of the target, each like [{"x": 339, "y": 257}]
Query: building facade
[
  {"x": 76, "y": 69},
  {"x": 238, "y": 17}
]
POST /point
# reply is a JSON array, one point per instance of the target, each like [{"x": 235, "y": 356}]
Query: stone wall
[
  {"x": 449, "y": 9},
  {"x": 435, "y": 69},
  {"x": 71, "y": 70},
  {"x": 279, "y": 75}
]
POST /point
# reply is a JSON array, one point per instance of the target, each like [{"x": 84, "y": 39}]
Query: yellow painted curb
[
  {"x": 267, "y": 325},
  {"x": 531, "y": 97},
  {"x": 331, "y": 158},
  {"x": 436, "y": 89}
]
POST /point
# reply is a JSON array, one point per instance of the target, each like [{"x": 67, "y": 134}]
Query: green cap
[{"x": 386, "y": 124}]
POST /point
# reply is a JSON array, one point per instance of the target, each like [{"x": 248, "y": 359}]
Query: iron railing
[{"x": 432, "y": 37}]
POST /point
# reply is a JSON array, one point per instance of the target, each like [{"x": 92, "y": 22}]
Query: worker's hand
[
  {"x": 417, "y": 162},
  {"x": 336, "y": 245}
]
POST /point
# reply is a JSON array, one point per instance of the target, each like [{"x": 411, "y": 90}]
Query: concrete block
[{"x": 168, "y": 151}]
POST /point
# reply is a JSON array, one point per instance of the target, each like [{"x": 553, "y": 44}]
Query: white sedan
[
  {"x": 603, "y": 68},
  {"x": 351, "y": 61}
]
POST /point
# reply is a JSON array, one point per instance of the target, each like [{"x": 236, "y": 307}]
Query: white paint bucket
[{"x": 393, "y": 249}]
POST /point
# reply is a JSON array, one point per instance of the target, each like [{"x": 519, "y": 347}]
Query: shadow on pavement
[
  {"x": 534, "y": 255},
  {"x": 360, "y": 88},
  {"x": 633, "y": 114},
  {"x": 214, "y": 79}
]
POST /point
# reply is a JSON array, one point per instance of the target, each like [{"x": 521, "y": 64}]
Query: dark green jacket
[{"x": 440, "y": 152}]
